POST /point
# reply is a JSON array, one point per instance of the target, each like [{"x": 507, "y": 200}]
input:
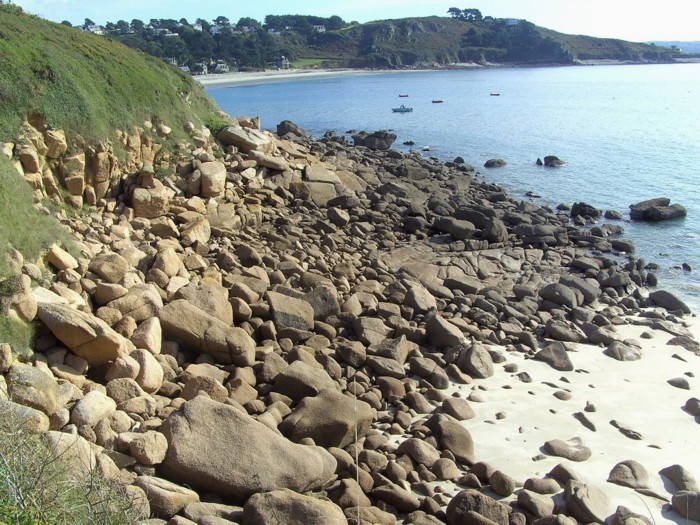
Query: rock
[
  {"x": 331, "y": 419},
  {"x": 552, "y": 161},
  {"x": 631, "y": 474},
  {"x": 379, "y": 140},
  {"x": 494, "y": 163},
  {"x": 624, "y": 516},
  {"x": 31, "y": 387},
  {"x": 559, "y": 294},
  {"x": 397, "y": 497},
  {"x": 61, "y": 259},
  {"x": 420, "y": 451},
  {"x": 148, "y": 448},
  {"x": 442, "y": 333},
  {"x": 112, "y": 267},
  {"x": 581, "y": 209},
  {"x": 692, "y": 406},
  {"x": 151, "y": 203},
  {"x": 586, "y": 503},
  {"x": 290, "y": 312},
  {"x": 72, "y": 451},
  {"x": 471, "y": 500},
  {"x": 681, "y": 478},
  {"x": 556, "y": 356},
  {"x": 213, "y": 179},
  {"x": 287, "y": 126},
  {"x": 459, "y": 408},
  {"x": 686, "y": 342},
  {"x": 165, "y": 497},
  {"x": 206, "y": 334},
  {"x": 285, "y": 506},
  {"x": 245, "y": 139},
  {"x": 150, "y": 375},
  {"x": 687, "y": 504},
  {"x": 142, "y": 302},
  {"x": 668, "y": 301},
  {"x": 210, "y": 297},
  {"x": 85, "y": 335},
  {"x": 299, "y": 380},
  {"x": 573, "y": 449},
  {"x": 92, "y": 409},
  {"x": 149, "y": 336},
  {"x": 623, "y": 351},
  {"x": 502, "y": 484},
  {"x": 454, "y": 437},
  {"x": 31, "y": 419},
  {"x": 476, "y": 361},
  {"x": 659, "y": 209},
  {"x": 536, "y": 504},
  {"x": 215, "y": 447}
]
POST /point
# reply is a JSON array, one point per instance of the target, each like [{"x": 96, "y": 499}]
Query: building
[{"x": 320, "y": 29}]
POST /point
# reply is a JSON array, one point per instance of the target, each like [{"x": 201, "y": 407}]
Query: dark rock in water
[
  {"x": 287, "y": 126},
  {"x": 686, "y": 267},
  {"x": 668, "y": 301},
  {"x": 584, "y": 210},
  {"x": 612, "y": 215},
  {"x": 552, "y": 161},
  {"x": 494, "y": 163},
  {"x": 458, "y": 160},
  {"x": 659, "y": 209},
  {"x": 539, "y": 162},
  {"x": 379, "y": 140},
  {"x": 409, "y": 143}
]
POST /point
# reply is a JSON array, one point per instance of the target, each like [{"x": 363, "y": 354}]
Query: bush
[{"x": 38, "y": 488}]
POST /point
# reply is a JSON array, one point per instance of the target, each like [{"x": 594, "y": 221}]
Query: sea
[{"x": 626, "y": 132}]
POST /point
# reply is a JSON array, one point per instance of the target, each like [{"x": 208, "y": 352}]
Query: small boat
[
  {"x": 495, "y": 94},
  {"x": 402, "y": 109},
  {"x": 437, "y": 101},
  {"x": 403, "y": 96}
]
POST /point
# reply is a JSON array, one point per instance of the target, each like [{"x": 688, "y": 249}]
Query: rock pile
[{"x": 278, "y": 319}]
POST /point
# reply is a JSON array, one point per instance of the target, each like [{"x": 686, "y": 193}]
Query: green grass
[
  {"x": 37, "y": 488},
  {"x": 87, "y": 84},
  {"x": 307, "y": 62},
  {"x": 22, "y": 226}
]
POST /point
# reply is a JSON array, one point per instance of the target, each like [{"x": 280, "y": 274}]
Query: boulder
[
  {"x": 290, "y": 312},
  {"x": 213, "y": 179},
  {"x": 631, "y": 474},
  {"x": 287, "y": 126},
  {"x": 151, "y": 203},
  {"x": 331, "y": 419},
  {"x": 299, "y": 380},
  {"x": 659, "y": 209},
  {"x": 476, "y": 361},
  {"x": 442, "y": 333},
  {"x": 552, "y": 161},
  {"x": 581, "y": 209},
  {"x": 31, "y": 387},
  {"x": 84, "y": 334},
  {"x": 141, "y": 302},
  {"x": 470, "y": 500},
  {"x": 494, "y": 163},
  {"x": 668, "y": 301},
  {"x": 573, "y": 449},
  {"x": 586, "y": 503},
  {"x": 556, "y": 356},
  {"x": 245, "y": 139},
  {"x": 206, "y": 334},
  {"x": 210, "y": 297},
  {"x": 379, "y": 140},
  {"x": 165, "y": 497},
  {"x": 217, "y": 448},
  {"x": 623, "y": 352},
  {"x": 92, "y": 409},
  {"x": 285, "y": 506},
  {"x": 687, "y": 504}
]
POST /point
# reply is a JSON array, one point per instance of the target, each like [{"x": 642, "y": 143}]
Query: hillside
[
  {"x": 43, "y": 71},
  {"x": 407, "y": 42}
]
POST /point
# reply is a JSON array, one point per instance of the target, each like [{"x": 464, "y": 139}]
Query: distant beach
[{"x": 271, "y": 75}]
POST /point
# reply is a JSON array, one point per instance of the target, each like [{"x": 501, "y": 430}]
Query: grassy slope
[{"x": 87, "y": 84}]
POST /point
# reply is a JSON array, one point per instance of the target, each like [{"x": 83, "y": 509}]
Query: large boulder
[
  {"x": 331, "y": 419},
  {"x": 586, "y": 503},
  {"x": 668, "y": 301},
  {"x": 209, "y": 296},
  {"x": 300, "y": 380},
  {"x": 85, "y": 335},
  {"x": 30, "y": 386},
  {"x": 220, "y": 449},
  {"x": 285, "y": 506},
  {"x": 471, "y": 507},
  {"x": 290, "y": 312},
  {"x": 213, "y": 179},
  {"x": 141, "y": 302},
  {"x": 206, "y": 334},
  {"x": 245, "y": 139},
  {"x": 379, "y": 140},
  {"x": 659, "y": 209}
]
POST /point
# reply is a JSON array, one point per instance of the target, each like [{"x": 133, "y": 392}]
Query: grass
[
  {"x": 307, "y": 62},
  {"x": 37, "y": 488},
  {"x": 88, "y": 84}
]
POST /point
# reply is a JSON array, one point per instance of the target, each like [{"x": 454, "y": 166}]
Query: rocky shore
[{"x": 274, "y": 329}]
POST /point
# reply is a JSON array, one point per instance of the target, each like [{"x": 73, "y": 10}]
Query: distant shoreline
[{"x": 275, "y": 75}]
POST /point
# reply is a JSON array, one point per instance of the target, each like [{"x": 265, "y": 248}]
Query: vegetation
[
  {"x": 466, "y": 35},
  {"x": 37, "y": 488},
  {"x": 44, "y": 71}
]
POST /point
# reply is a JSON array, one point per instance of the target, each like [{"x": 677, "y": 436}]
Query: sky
[{"x": 634, "y": 20}]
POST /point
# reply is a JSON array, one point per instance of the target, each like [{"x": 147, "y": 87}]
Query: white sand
[
  {"x": 635, "y": 393},
  {"x": 274, "y": 75}
]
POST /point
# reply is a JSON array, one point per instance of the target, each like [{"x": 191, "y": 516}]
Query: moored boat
[{"x": 402, "y": 109}]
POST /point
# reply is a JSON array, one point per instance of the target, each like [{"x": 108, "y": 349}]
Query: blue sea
[{"x": 627, "y": 133}]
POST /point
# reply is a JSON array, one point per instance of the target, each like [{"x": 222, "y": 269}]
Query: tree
[
  {"x": 222, "y": 21},
  {"x": 65, "y": 22},
  {"x": 472, "y": 14},
  {"x": 122, "y": 27},
  {"x": 454, "y": 12},
  {"x": 88, "y": 24},
  {"x": 137, "y": 25}
]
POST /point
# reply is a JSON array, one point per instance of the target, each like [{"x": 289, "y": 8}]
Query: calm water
[{"x": 627, "y": 133}]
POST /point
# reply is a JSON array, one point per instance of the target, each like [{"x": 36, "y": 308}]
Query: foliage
[
  {"x": 465, "y": 35},
  {"x": 87, "y": 84},
  {"x": 37, "y": 488},
  {"x": 21, "y": 224}
]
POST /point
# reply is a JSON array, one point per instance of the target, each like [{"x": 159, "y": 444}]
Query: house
[
  {"x": 320, "y": 29},
  {"x": 283, "y": 62},
  {"x": 274, "y": 32},
  {"x": 171, "y": 60},
  {"x": 215, "y": 30},
  {"x": 512, "y": 21},
  {"x": 221, "y": 67}
]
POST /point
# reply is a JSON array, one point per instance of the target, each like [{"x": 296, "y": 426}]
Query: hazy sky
[{"x": 635, "y": 20}]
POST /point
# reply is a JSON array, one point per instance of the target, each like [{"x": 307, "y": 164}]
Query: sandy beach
[{"x": 274, "y": 75}]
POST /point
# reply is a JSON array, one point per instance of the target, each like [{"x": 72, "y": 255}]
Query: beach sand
[
  {"x": 274, "y": 75},
  {"x": 515, "y": 419}
]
